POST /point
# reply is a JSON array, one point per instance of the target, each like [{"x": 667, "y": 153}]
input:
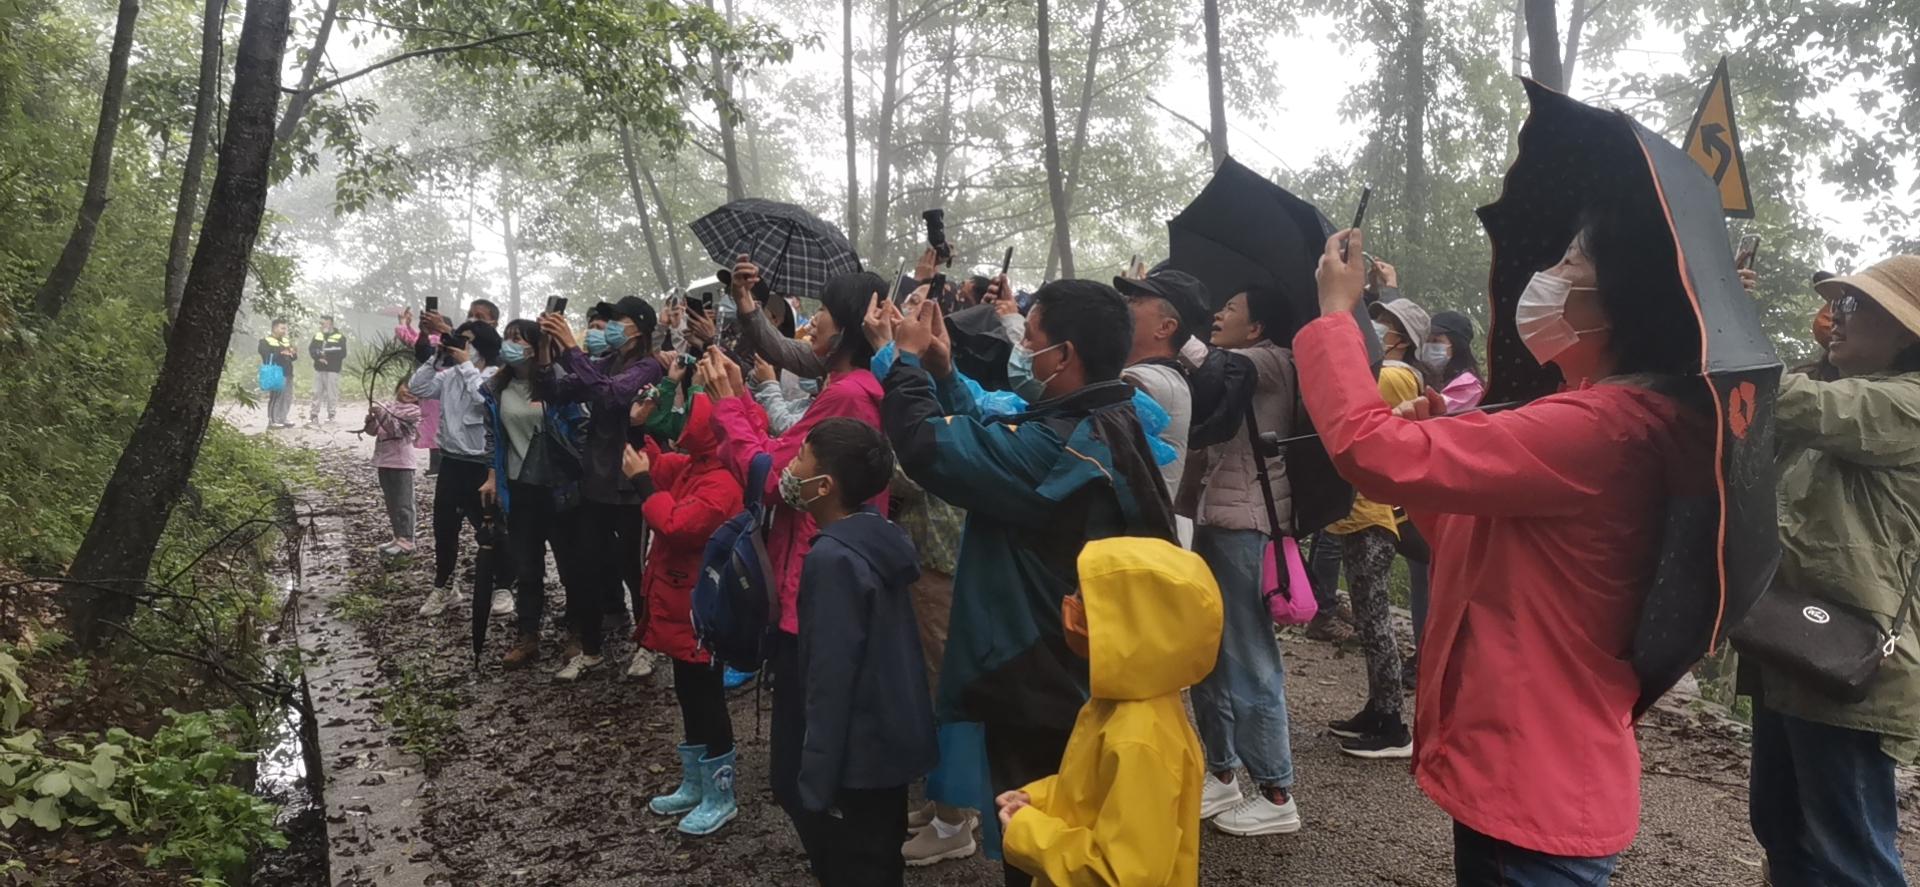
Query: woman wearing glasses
[{"x": 1823, "y": 803}]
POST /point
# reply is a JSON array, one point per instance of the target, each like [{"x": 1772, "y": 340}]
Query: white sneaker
[
  {"x": 576, "y": 666},
  {"x": 502, "y": 602},
  {"x": 438, "y": 600},
  {"x": 1255, "y": 815},
  {"x": 1218, "y": 797},
  {"x": 642, "y": 664}
]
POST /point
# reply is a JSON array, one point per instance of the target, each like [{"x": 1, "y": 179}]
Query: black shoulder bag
[{"x": 1835, "y": 648}]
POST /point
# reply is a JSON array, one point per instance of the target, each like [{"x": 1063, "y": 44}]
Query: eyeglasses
[{"x": 1844, "y": 307}]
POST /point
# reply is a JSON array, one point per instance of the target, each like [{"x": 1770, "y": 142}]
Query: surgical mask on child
[
  {"x": 1073, "y": 618},
  {"x": 616, "y": 335},
  {"x": 790, "y": 488},
  {"x": 513, "y": 354},
  {"x": 1436, "y": 354},
  {"x": 1020, "y": 373},
  {"x": 1541, "y": 317},
  {"x": 596, "y": 342},
  {"x": 1381, "y": 330}
]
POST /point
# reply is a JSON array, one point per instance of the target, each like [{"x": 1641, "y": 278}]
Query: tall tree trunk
[
  {"x": 944, "y": 150},
  {"x": 158, "y": 460},
  {"x": 302, "y": 98},
  {"x": 1086, "y": 111},
  {"x": 750, "y": 124},
  {"x": 1216, "y": 85},
  {"x": 1576, "y": 22},
  {"x": 1543, "y": 44},
  {"x": 1519, "y": 36},
  {"x": 846, "y": 114},
  {"x": 189, "y": 203},
  {"x": 640, "y": 204},
  {"x": 1414, "y": 66},
  {"x": 180, "y": 242},
  {"x": 666, "y": 221},
  {"x": 729, "y": 148},
  {"x": 1050, "y": 130},
  {"x": 54, "y": 293},
  {"x": 883, "y": 136},
  {"x": 510, "y": 242}
]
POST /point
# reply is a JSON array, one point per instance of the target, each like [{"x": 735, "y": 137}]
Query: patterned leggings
[{"x": 1369, "y": 560}]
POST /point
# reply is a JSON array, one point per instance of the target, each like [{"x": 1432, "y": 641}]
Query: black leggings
[
  {"x": 703, "y": 706},
  {"x": 456, "y": 498},
  {"x": 534, "y": 525},
  {"x": 613, "y": 536}
]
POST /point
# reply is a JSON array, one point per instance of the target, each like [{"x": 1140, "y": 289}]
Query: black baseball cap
[
  {"x": 1183, "y": 291},
  {"x": 600, "y": 311},
  {"x": 635, "y": 309}
]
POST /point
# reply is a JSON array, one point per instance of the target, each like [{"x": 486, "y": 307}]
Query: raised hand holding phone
[
  {"x": 1359, "y": 217},
  {"x": 746, "y": 276},
  {"x": 1342, "y": 276}
]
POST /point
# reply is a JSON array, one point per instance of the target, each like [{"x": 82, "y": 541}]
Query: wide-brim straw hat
[{"x": 1893, "y": 284}]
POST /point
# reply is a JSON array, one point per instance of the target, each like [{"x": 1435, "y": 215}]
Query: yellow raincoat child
[{"x": 1124, "y": 810}]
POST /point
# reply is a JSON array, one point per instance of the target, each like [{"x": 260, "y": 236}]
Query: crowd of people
[{"x": 1000, "y": 587}]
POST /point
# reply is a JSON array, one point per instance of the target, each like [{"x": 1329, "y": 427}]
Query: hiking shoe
[
  {"x": 1328, "y": 627},
  {"x": 1393, "y": 741},
  {"x": 525, "y": 652},
  {"x": 502, "y": 603},
  {"x": 1255, "y": 815},
  {"x": 927, "y": 846},
  {"x": 1218, "y": 797},
  {"x": 921, "y": 817},
  {"x": 642, "y": 664},
  {"x": 1366, "y": 723},
  {"x": 576, "y": 666},
  {"x": 438, "y": 600}
]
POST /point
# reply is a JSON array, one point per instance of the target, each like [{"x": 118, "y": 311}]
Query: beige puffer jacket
[{"x": 1228, "y": 490}]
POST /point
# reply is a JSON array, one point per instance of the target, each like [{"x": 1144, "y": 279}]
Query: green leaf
[
  {"x": 7, "y": 775},
  {"x": 105, "y": 768},
  {"x": 8, "y": 817},
  {"x": 54, "y": 784},
  {"x": 46, "y": 814},
  {"x": 22, "y": 742}
]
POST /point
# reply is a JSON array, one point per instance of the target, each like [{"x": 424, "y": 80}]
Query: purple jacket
[{"x": 608, "y": 395}]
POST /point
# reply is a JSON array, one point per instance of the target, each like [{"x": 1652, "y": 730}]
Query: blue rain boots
[
  {"x": 688, "y": 795},
  {"x": 717, "y": 807}
]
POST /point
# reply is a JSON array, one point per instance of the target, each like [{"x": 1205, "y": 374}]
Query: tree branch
[
  {"x": 332, "y": 82},
  {"x": 1203, "y": 131}
]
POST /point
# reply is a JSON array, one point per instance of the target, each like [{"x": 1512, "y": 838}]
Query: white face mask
[
  {"x": 1541, "y": 317},
  {"x": 1436, "y": 355},
  {"x": 1381, "y": 330}
]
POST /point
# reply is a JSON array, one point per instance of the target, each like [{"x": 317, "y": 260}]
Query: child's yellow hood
[{"x": 1153, "y": 617}]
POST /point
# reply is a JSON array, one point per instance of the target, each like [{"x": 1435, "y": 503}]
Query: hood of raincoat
[
  {"x": 698, "y": 438},
  {"x": 1153, "y": 617}
]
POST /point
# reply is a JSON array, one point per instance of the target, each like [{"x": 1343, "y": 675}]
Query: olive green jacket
[{"x": 1850, "y": 534}]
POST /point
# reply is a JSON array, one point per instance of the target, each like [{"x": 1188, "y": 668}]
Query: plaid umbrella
[{"x": 796, "y": 251}]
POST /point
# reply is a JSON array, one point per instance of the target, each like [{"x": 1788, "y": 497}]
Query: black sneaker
[
  {"x": 1393, "y": 742},
  {"x": 1365, "y": 723}
]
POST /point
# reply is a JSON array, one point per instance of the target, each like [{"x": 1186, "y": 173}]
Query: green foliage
[
  {"x": 357, "y": 607},
  {"x": 419, "y": 704},
  {"x": 176, "y": 787}
]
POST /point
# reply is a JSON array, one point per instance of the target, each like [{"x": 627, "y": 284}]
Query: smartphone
[
  {"x": 1359, "y": 215},
  {"x": 1006, "y": 262},
  {"x": 433, "y": 303},
  {"x": 556, "y": 304},
  {"x": 1749, "y": 246}
]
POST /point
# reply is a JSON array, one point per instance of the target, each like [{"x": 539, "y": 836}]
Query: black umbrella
[
  {"x": 1719, "y": 549},
  {"x": 484, "y": 535},
  {"x": 1244, "y": 231},
  {"x": 980, "y": 345},
  {"x": 796, "y": 251}
]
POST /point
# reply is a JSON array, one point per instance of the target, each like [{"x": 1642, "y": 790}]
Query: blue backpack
[{"x": 736, "y": 602}]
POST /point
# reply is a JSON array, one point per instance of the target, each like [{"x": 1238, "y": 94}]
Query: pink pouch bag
[{"x": 1289, "y": 597}]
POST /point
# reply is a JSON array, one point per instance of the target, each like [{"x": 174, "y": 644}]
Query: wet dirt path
[{"x": 538, "y": 782}]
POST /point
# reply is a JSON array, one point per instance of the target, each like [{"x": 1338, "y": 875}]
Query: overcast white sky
[{"x": 1303, "y": 122}]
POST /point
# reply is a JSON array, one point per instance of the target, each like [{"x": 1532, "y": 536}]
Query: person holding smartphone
[{"x": 612, "y": 525}]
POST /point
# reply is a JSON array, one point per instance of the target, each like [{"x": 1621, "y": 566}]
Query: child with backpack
[
  {"x": 1125, "y": 807},
  {"x": 394, "y": 427},
  {"x": 686, "y": 497},
  {"x": 868, "y": 716}
]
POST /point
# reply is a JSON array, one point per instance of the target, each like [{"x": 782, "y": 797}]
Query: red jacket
[
  {"x": 1545, "y": 523},
  {"x": 694, "y": 494}
]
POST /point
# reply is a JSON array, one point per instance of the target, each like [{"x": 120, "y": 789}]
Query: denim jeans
[
  {"x": 1822, "y": 804},
  {"x": 1241, "y": 708},
  {"x": 1480, "y": 861}
]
